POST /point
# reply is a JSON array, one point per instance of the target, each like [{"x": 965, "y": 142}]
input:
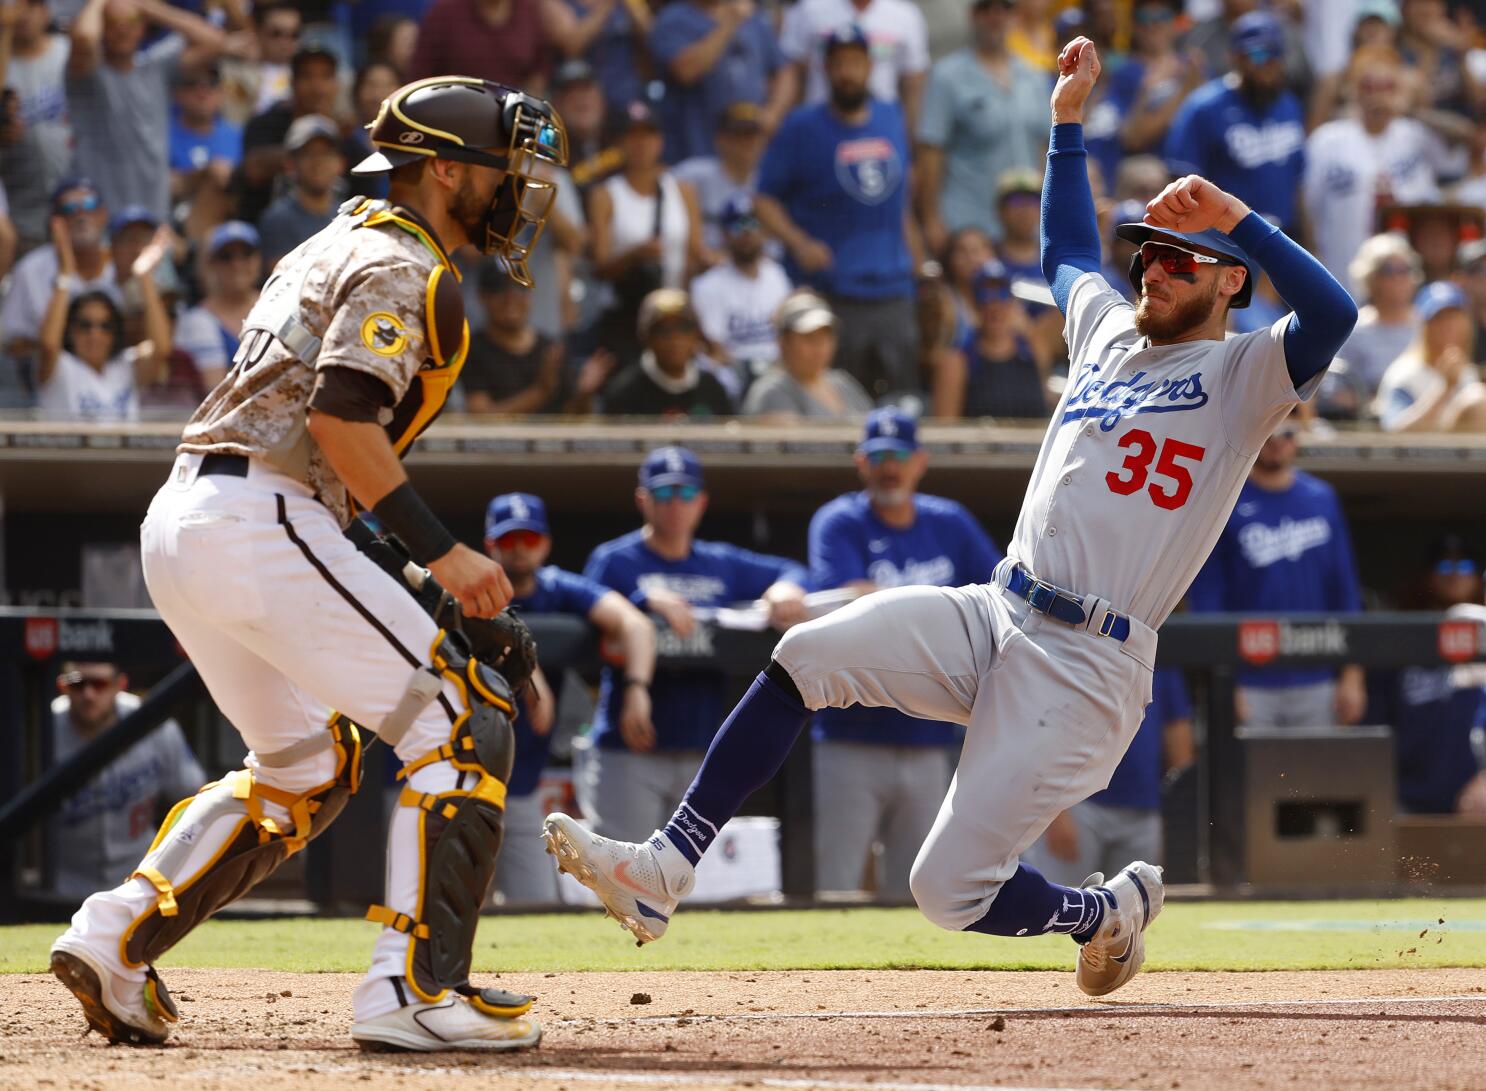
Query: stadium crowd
[{"x": 784, "y": 211}]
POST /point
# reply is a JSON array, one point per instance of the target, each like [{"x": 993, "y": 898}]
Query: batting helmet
[
  {"x": 1212, "y": 240},
  {"x": 486, "y": 123}
]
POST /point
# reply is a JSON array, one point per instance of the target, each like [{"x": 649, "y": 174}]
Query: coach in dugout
[
  {"x": 106, "y": 827},
  {"x": 631, "y": 778},
  {"x": 880, "y": 774}
]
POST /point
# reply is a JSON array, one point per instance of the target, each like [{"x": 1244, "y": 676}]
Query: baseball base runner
[{"x": 1049, "y": 665}]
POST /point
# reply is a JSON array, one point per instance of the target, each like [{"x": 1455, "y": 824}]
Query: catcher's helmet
[{"x": 486, "y": 123}]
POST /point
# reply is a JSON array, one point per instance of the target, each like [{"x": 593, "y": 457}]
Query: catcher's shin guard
[
  {"x": 226, "y": 823},
  {"x": 459, "y": 835}
]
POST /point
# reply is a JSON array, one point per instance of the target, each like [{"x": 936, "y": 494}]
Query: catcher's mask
[{"x": 478, "y": 121}]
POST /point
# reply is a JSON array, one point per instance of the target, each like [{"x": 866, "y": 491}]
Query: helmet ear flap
[{"x": 1137, "y": 272}]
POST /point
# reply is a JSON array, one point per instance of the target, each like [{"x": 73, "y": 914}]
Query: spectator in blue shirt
[
  {"x": 518, "y": 536},
  {"x": 834, "y": 188},
  {"x": 205, "y": 147},
  {"x": 880, "y": 774},
  {"x": 712, "y": 54},
  {"x": 1123, "y": 822},
  {"x": 1286, "y": 549},
  {"x": 1245, "y": 131},
  {"x": 629, "y": 783},
  {"x": 610, "y": 36}
]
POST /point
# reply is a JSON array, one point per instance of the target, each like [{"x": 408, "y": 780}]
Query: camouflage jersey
[{"x": 374, "y": 292}]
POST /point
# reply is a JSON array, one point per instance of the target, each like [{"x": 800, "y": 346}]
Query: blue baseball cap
[
  {"x": 1258, "y": 36},
  {"x": 845, "y": 35},
  {"x": 889, "y": 429},
  {"x": 515, "y": 511},
  {"x": 984, "y": 285},
  {"x": 737, "y": 213},
  {"x": 1437, "y": 296},
  {"x": 670, "y": 466},
  {"x": 233, "y": 231},
  {"x": 130, "y": 215},
  {"x": 1212, "y": 239}
]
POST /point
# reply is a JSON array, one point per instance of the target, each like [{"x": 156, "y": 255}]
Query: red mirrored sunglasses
[
  {"x": 1175, "y": 260},
  {"x": 520, "y": 539}
]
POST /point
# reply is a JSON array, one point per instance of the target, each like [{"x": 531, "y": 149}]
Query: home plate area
[{"x": 904, "y": 1030}]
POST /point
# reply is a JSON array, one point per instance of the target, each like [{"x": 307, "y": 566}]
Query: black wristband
[
  {"x": 630, "y": 680},
  {"x": 403, "y": 512}
]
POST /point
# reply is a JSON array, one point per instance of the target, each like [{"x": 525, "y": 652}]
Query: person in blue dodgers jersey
[
  {"x": 1246, "y": 130},
  {"x": 1049, "y": 666},
  {"x": 518, "y": 537},
  {"x": 1123, "y": 821},
  {"x": 834, "y": 188},
  {"x": 628, "y": 781},
  {"x": 879, "y": 773},
  {"x": 1286, "y": 549}
]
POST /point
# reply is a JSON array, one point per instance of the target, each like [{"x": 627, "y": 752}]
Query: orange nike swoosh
[{"x": 621, "y": 872}]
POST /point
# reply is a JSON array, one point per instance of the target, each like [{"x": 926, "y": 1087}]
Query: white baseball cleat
[
  {"x": 449, "y": 1024},
  {"x": 627, "y": 877},
  {"x": 1117, "y": 950},
  {"x": 137, "y": 1013}
]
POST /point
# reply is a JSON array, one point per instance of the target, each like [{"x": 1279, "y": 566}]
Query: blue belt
[{"x": 1064, "y": 606}]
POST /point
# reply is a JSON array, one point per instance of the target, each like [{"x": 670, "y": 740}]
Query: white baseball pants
[{"x": 286, "y": 620}]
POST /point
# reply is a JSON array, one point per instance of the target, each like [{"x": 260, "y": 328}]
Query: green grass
[{"x": 1189, "y": 936}]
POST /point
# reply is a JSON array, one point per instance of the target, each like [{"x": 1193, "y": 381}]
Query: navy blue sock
[
  {"x": 747, "y": 751},
  {"x": 1029, "y": 905}
]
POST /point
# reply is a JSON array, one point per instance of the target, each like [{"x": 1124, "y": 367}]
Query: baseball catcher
[{"x": 299, "y": 635}]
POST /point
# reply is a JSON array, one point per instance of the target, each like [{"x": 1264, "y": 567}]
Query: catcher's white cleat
[
  {"x": 135, "y": 1013},
  {"x": 629, "y": 880},
  {"x": 1117, "y": 950},
  {"x": 452, "y": 1023}
]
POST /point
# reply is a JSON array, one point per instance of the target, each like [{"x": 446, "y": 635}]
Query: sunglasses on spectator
[
  {"x": 280, "y": 32},
  {"x": 994, "y": 291},
  {"x": 90, "y": 325},
  {"x": 234, "y": 253},
  {"x": 1290, "y": 434},
  {"x": 520, "y": 539},
  {"x": 1464, "y": 566},
  {"x": 889, "y": 454},
  {"x": 1153, "y": 13},
  {"x": 664, "y": 494},
  {"x": 196, "y": 83},
  {"x": 1176, "y": 260},
  {"x": 76, "y": 682},
  {"x": 89, "y": 203},
  {"x": 1395, "y": 269}
]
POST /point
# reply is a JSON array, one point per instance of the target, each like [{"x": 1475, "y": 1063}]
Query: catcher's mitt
[{"x": 505, "y": 643}]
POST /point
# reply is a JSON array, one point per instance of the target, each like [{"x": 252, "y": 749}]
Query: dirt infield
[{"x": 913, "y": 1031}]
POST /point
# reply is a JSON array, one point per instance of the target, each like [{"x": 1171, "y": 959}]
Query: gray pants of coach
[
  {"x": 1108, "y": 839},
  {"x": 628, "y": 796},
  {"x": 878, "y": 343},
  {"x": 1310, "y": 705},
  {"x": 866, "y": 793},
  {"x": 524, "y": 874}
]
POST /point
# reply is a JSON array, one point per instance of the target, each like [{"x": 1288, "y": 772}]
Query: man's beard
[
  {"x": 469, "y": 210},
  {"x": 745, "y": 252},
  {"x": 890, "y": 498},
  {"x": 1183, "y": 317},
  {"x": 850, "y": 98}
]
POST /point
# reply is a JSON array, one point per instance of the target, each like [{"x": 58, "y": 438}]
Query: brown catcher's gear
[
  {"x": 251, "y": 849},
  {"x": 461, "y": 833},
  {"x": 488, "y": 124}
]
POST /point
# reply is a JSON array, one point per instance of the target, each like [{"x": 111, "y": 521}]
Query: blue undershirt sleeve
[
  {"x": 1324, "y": 312},
  {"x": 1070, "y": 229}
]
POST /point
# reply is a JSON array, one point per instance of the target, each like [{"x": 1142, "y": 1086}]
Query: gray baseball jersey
[
  {"x": 1146, "y": 453},
  {"x": 104, "y": 829}
]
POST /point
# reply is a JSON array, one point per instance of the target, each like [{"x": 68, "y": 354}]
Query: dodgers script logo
[
  {"x": 1110, "y": 403},
  {"x": 869, "y": 169}
]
